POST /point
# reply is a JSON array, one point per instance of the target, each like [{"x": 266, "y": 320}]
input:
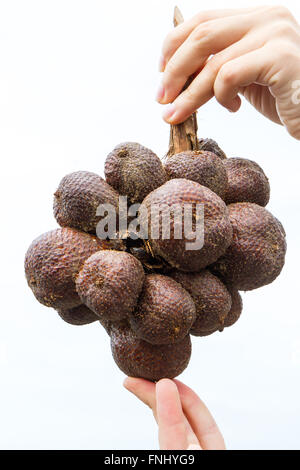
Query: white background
[{"x": 77, "y": 78}]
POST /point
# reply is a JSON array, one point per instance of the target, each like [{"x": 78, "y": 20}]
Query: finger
[
  {"x": 253, "y": 67},
  {"x": 261, "y": 98},
  {"x": 256, "y": 67},
  {"x": 207, "y": 39},
  {"x": 179, "y": 34},
  {"x": 144, "y": 390},
  {"x": 170, "y": 417},
  {"x": 202, "y": 87},
  {"x": 200, "y": 419}
]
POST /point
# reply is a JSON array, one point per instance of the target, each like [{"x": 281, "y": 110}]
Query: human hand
[
  {"x": 183, "y": 420},
  {"x": 254, "y": 52}
]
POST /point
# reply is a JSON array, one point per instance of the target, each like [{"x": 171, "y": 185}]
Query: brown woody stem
[{"x": 183, "y": 136}]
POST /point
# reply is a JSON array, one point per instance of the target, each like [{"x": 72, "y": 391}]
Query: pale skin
[
  {"x": 252, "y": 52},
  {"x": 184, "y": 422}
]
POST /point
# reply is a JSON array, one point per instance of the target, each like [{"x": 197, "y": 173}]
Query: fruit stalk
[{"x": 183, "y": 136}]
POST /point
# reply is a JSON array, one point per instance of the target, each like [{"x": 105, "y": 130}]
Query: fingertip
[
  {"x": 164, "y": 386},
  {"x": 234, "y": 105},
  {"x": 131, "y": 383},
  {"x": 162, "y": 64},
  {"x": 182, "y": 388},
  {"x": 164, "y": 382},
  {"x": 178, "y": 383},
  {"x": 138, "y": 386},
  {"x": 176, "y": 118},
  {"x": 176, "y": 113},
  {"x": 127, "y": 383},
  {"x": 168, "y": 115},
  {"x": 160, "y": 93}
]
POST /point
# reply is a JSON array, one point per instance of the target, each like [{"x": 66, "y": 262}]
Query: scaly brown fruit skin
[
  {"x": 80, "y": 315},
  {"x": 54, "y": 259},
  {"x": 201, "y": 166},
  {"x": 246, "y": 182},
  {"x": 77, "y": 198},
  {"x": 217, "y": 227},
  {"x": 137, "y": 358},
  {"x": 212, "y": 300},
  {"x": 211, "y": 145},
  {"x": 257, "y": 253},
  {"x": 134, "y": 171},
  {"x": 106, "y": 324},
  {"x": 109, "y": 283},
  {"x": 165, "y": 312},
  {"x": 236, "y": 307}
]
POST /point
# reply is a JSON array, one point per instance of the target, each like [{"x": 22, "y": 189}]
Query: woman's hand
[
  {"x": 254, "y": 52},
  {"x": 183, "y": 420}
]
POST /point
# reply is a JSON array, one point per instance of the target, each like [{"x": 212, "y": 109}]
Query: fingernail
[
  {"x": 169, "y": 111},
  {"x": 160, "y": 93},
  {"x": 162, "y": 64}
]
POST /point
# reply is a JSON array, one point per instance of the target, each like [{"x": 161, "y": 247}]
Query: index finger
[{"x": 178, "y": 35}]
